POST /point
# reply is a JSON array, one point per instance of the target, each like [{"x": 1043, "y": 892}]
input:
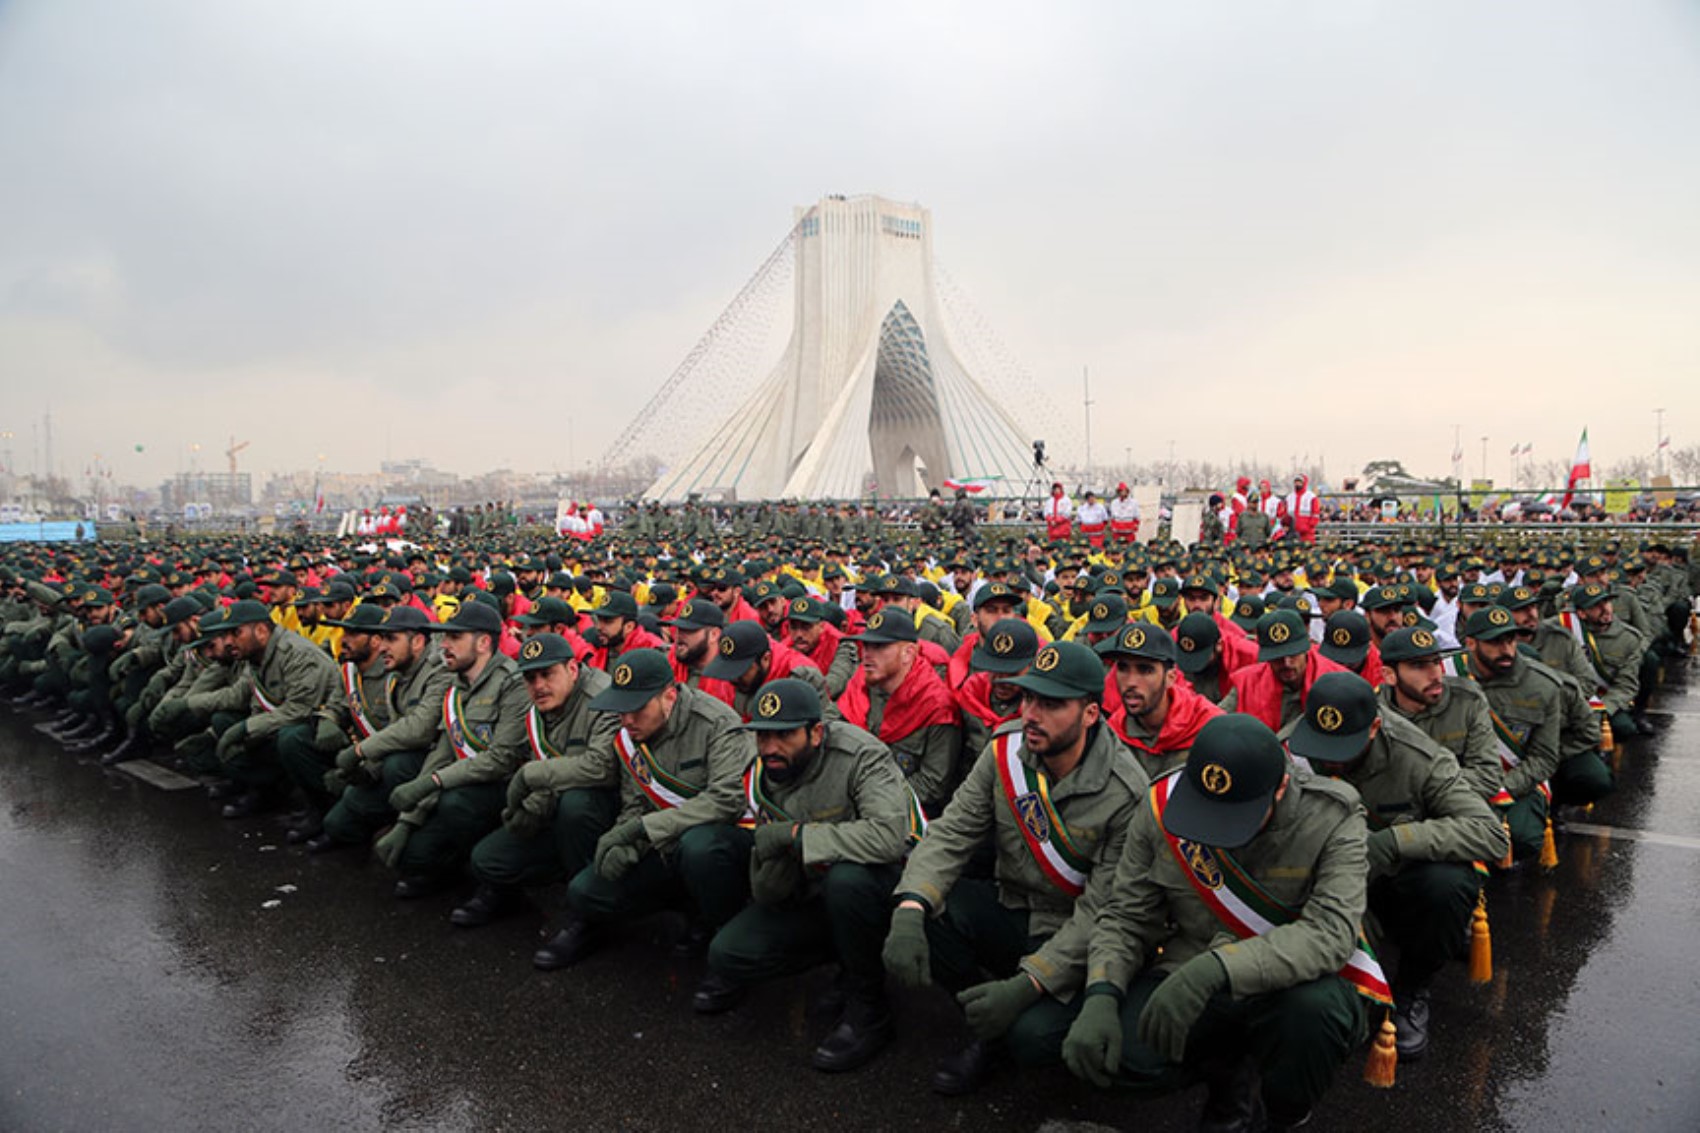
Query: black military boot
[
  {"x": 693, "y": 942},
  {"x": 1233, "y": 1102},
  {"x": 964, "y": 1071},
  {"x": 864, "y": 1030},
  {"x": 94, "y": 741},
  {"x": 310, "y": 825},
  {"x": 716, "y": 994},
  {"x": 247, "y": 804},
  {"x": 132, "y": 748},
  {"x": 489, "y": 903},
  {"x": 576, "y": 940},
  {"x": 1410, "y": 1020}
]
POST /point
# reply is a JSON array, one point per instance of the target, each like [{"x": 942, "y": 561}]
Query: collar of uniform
[
  {"x": 1287, "y": 806},
  {"x": 273, "y": 643},
  {"x": 497, "y": 664},
  {"x": 680, "y": 715},
  {"x": 1093, "y": 770}
]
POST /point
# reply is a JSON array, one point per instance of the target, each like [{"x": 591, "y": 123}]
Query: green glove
[
  {"x": 233, "y": 742},
  {"x": 1093, "y": 1048},
  {"x": 328, "y": 736},
  {"x": 774, "y": 880},
  {"x": 534, "y": 812},
  {"x": 410, "y": 794},
  {"x": 992, "y": 1008},
  {"x": 347, "y": 759},
  {"x": 389, "y": 847},
  {"x": 517, "y": 791},
  {"x": 905, "y": 952},
  {"x": 1177, "y": 1003},
  {"x": 1383, "y": 852},
  {"x": 773, "y": 840},
  {"x": 335, "y": 784},
  {"x": 619, "y": 850}
]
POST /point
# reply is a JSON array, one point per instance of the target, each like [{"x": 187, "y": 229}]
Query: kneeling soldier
[{"x": 832, "y": 822}]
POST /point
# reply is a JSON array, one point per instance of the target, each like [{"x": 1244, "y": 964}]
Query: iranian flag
[
  {"x": 1581, "y": 469},
  {"x": 971, "y": 484}
]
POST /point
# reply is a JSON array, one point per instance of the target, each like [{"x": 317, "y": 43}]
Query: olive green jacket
[
  {"x": 493, "y": 710},
  {"x": 1529, "y": 700},
  {"x": 583, "y": 740},
  {"x": 295, "y": 675},
  {"x": 1462, "y": 723},
  {"x": 415, "y": 712}
]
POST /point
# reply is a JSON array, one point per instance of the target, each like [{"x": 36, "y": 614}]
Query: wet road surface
[{"x": 163, "y": 969}]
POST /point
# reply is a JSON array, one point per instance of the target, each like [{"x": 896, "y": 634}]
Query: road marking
[
  {"x": 153, "y": 774},
  {"x": 1681, "y": 840}
]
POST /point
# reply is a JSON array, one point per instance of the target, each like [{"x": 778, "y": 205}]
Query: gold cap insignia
[
  {"x": 532, "y": 651},
  {"x": 1410, "y": 618},
  {"x": 1187, "y": 644},
  {"x": 877, "y": 620},
  {"x": 1047, "y": 660},
  {"x": 1099, "y": 612},
  {"x": 727, "y": 646},
  {"x": 1498, "y": 616},
  {"x": 1303, "y": 605},
  {"x": 1522, "y": 593},
  {"x": 1329, "y": 718},
  {"x": 623, "y": 675},
  {"x": 1341, "y": 636},
  {"x": 1279, "y": 633},
  {"x": 1423, "y": 639},
  {"x": 800, "y": 606},
  {"x": 769, "y": 705},
  {"x": 1134, "y": 638},
  {"x": 1215, "y": 779},
  {"x": 89, "y": 596},
  {"x": 1003, "y": 643}
]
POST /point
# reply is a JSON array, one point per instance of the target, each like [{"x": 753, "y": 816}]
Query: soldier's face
[
  {"x": 991, "y": 614},
  {"x": 1385, "y": 620},
  {"x": 549, "y": 688},
  {"x": 646, "y": 722},
  {"x": 885, "y": 664},
  {"x": 611, "y": 630},
  {"x": 806, "y": 635},
  {"x": 357, "y": 647},
  {"x": 1493, "y": 658},
  {"x": 461, "y": 650},
  {"x": 1198, "y": 601},
  {"x": 786, "y": 755},
  {"x": 773, "y": 612},
  {"x": 723, "y": 596},
  {"x": 755, "y": 676},
  {"x": 691, "y": 647},
  {"x": 1143, "y": 684},
  {"x": 1290, "y": 671},
  {"x": 1449, "y": 588},
  {"x": 1528, "y": 618},
  {"x": 1421, "y": 681},
  {"x": 1051, "y": 727},
  {"x": 1598, "y": 616},
  {"x": 399, "y": 649},
  {"x": 153, "y": 616}
]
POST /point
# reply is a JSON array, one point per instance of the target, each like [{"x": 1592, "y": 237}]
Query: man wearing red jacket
[
  {"x": 812, "y": 634},
  {"x": 1346, "y": 642},
  {"x": 984, "y": 695},
  {"x": 696, "y": 641},
  {"x": 1202, "y": 594},
  {"x": 898, "y": 697},
  {"x": 1274, "y": 689},
  {"x": 617, "y": 630},
  {"x": 993, "y": 602},
  {"x": 725, "y": 587},
  {"x": 1303, "y": 508},
  {"x": 748, "y": 658},
  {"x": 1158, "y": 716},
  {"x": 1208, "y": 658}
]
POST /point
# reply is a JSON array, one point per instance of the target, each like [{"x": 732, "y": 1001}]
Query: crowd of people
[{"x": 1165, "y": 813}]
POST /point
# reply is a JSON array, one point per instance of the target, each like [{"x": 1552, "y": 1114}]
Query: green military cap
[
  {"x": 310, "y": 596},
  {"x": 1112, "y": 580},
  {"x": 151, "y": 594},
  {"x": 1476, "y": 594},
  {"x": 616, "y": 604},
  {"x": 91, "y": 595},
  {"x": 1299, "y": 603},
  {"x": 1247, "y": 611},
  {"x": 1411, "y": 643},
  {"x": 542, "y": 650},
  {"x": 1281, "y": 633},
  {"x": 385, "y": 591},
  {"x": 1228, "y": 783},
  {"x": 1593, "y": 564},
  {"x": 1490, "y": 624},
  {"x": 460, "y": 574},
  {"x": 210, "y": 624},
  {"x": 1139, "y": 639},
  {"x": 765, "y": 590},
  {"x": 1516, "y": 597},
  {"x": 784, "y": 704},
  {"x": 1165, "y": 592},
  {"x": 179, "y": 610},
  {"x": 364, "y": 618},
  {"x": 1345, "y": 638},
  {"x": 548, "y": 612},
  {"x": 887, "y": 626},
  {"x": 662, "y": 595},
  {"x": 1342, "y": 588},
  {"x": 502, "y": 583},
  {"x": 559, "y": 580},
  {"x": 278, "y": 578},
  {"x": 1009, "y": 647},
  {"x": 474, "y": 616},
  {"x": 1107, "y": 614},
  {"x": 741, "y": 645},
  {"x": 1589, "y": 595},
  {"x": 806, "y": 610},
  {"x": 1382, "y": 597},
  {"x": 1204, "y": 582},
  {"x": 1195, "y": 643},
  {"x": 404, "y": 619},
  {"x": 997, "y": 592},
  {"x": 1064, "y": 670},
  {"x": 725, "y": 576},
  {"x": 245, "y": 612},
  {"x": 638, "y": 678},
  {"x": 338, "y": 590},
  {"x": 1337, "y": 719},
  {"x": 100, "y": 640}
]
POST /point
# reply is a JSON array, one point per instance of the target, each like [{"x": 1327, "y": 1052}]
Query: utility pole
[
  {"x": 1484, "y": 458},
  {"x": 1659, "y": 442},
  {"x": 1086, "y": 406}
]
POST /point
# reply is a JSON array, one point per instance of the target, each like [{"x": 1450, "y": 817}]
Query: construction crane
[{"x": 232, "y": 451}]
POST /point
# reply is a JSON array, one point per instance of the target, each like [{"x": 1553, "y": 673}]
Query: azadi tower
[{"x": 868, "y": 392}]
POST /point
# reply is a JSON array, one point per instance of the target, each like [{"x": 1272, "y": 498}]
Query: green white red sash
[
  {"x": 465, "y": 744},
  {"x": 1590, "y": 648},
  {"x": 356, "y": 699},
  {"x": 541, "y": 748},
  {"x": 261, "y": 701},
  {"x": 1505, "y": 742},
  {"x": 1028, "y": 794},
  {"x": 759, "y": 809},
  {"x": 1241, "y": 904},
  {"x": 664, "y": 790}
]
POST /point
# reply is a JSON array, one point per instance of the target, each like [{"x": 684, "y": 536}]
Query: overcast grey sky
[{"x": 478, "y": 231}]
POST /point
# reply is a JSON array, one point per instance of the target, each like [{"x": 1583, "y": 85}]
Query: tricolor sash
[
  {"x": 356, "y": 699},
  {"x": 1505, "y": 742},
  {"x": 1028, "y": 794},
  {"x": 1243, "y": 905},
  {"x": 261, "y": 701},
  {"x": 1590, "y": 649},
  {"x": 541, "y": 748},
  {"x": 665, "y": 791},
  {"x": 465, "y": 744},
  {"x": 759, "y": 809}
]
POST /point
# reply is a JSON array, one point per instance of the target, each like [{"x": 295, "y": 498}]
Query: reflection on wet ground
[{"x": 160, "y": 968}]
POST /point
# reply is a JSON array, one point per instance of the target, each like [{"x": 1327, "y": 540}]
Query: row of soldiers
[{"x": 1166, "y": 815}]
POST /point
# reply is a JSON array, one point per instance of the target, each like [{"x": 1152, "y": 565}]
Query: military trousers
[
  {"x": 305, "y": 765},
  {"x": 1424, "y": 911},
  {"x": 708, "y": 867},
  {"x": 845, "y": 919},
  {"x": 1581, "y": 779},
  {"x": 463, "y": 815},
  {"x": 555, "y": 853},
  {"x": 258, "y": 766},
  {"x": 363, "y": 811},
  {"x": 1527, "y": 818},
  {"x": 1297, "y": 1037}
]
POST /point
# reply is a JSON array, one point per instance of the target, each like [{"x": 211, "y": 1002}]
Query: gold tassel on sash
[
  {"x": 1607, "y": 741},
  {"x": 1481, "y": 943},
  {"x": 1549, "y": 848},
  {"x": 1382, "y": 1065},
  {"x": 1507, "y": 861}
]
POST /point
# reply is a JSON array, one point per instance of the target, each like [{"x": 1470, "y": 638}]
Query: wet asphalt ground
[{"x": 163, "y": 969}]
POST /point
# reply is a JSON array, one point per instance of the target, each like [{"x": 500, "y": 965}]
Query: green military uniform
[
  {"x": 306, "y": 756},
  {"x": 287, "y": 685},
  {"x": 1462, "y": 723},
  {"x": 1529, "y": 701}
]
